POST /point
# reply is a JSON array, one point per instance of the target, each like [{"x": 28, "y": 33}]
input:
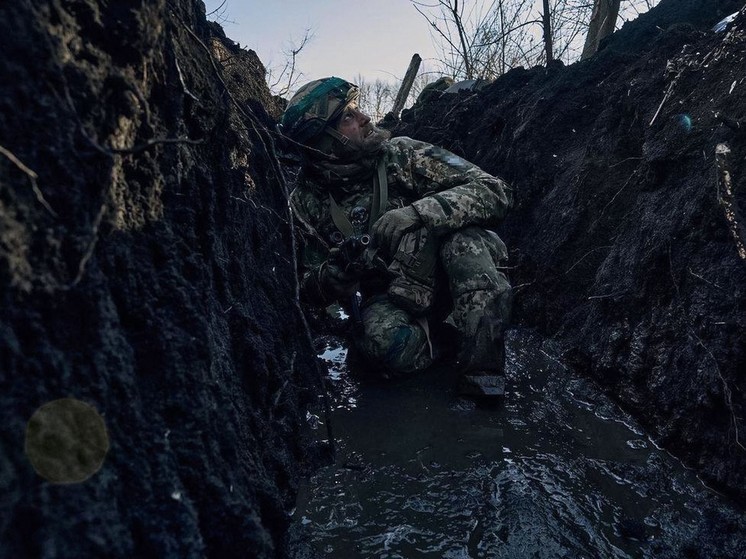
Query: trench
[{"x": 554, "y": 470}]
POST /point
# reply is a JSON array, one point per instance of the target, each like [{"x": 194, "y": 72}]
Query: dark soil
[
  {"x": 625, "y": 245},
  {"x": 146, "y": 270}
]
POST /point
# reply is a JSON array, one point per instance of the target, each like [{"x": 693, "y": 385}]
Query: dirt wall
[
  {"x": 146, "y": 270},
  {"x": 626, "y": 243}
]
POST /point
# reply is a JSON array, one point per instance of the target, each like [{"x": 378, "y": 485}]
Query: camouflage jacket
[{"x": 447, "y": 192}]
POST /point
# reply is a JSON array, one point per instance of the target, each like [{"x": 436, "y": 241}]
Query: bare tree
[
  {"x": 547, "y": 28},
  {"x": 630, "y": 9},
  {"x": 218, "y": 11},
  {"x": 483, "y": 40},
  {"x": 376, "y": 97},
  {"x": 602, "y": 24},
  {"x": 282, "y": 80},
  {"x": 486, "y": 38}
]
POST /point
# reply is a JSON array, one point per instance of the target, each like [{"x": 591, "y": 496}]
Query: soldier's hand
[
  {"x": 393, "y": 225},
  {"x": 336, "y": 280}
]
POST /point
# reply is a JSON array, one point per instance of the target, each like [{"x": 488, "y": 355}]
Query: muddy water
[{"x": 556, "y": 470}]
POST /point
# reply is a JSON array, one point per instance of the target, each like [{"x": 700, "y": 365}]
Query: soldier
[{"x": 399, "y": 231}]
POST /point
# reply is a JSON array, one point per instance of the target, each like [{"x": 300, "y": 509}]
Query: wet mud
[{"x": 555, "y": 470}]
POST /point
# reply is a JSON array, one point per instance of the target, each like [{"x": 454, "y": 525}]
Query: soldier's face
[{"x": 355, "y": 125}]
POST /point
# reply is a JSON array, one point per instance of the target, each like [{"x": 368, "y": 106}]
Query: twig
[
  {"x": 307, "y": 226},
  {"x": 704, "y": 279},
  {"x": 266, "y": 209},
  {"x": 91, "y": 246},
  {"x": 665, "y": 98},
  {"x": 584, "y": 256},
  {"x": 521, "y": 285},
  {"x": 617, "y": 193},
  {"x": 607, "y": 295},
  {"x": 32, "y": 178},
  {"x": 217, "y": 9},
  {"x": 181, "y": 79},
  {"x": 624, "y": 161}
]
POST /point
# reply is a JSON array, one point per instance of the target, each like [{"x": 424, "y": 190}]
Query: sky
[{"x": 373, "y": 38}]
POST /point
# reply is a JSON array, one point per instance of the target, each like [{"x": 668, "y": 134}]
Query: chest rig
[{"x": 355, "y": 227}]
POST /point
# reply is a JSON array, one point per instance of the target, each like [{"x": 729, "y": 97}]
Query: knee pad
[{"x": 393, "y": 340}]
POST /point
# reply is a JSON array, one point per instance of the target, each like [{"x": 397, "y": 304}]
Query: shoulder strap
[
  {"x": 380, "y": 201},
  {"x": 341, "y": 221},
  {"x": 380, "y": 193}
]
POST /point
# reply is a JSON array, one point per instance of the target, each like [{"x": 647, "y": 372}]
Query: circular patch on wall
[{"x": 66, "y": 441}]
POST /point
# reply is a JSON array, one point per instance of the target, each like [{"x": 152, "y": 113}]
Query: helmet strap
[{"x": 344, "y": 140}]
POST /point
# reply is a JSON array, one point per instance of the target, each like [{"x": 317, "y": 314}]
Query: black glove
[
  {"x": 393, "y": 225},
  {"x": 336, "y": 280}
]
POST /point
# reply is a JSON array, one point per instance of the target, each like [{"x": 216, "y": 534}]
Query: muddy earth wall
[
  {"x": 627, "y": 239},
  {"x": 146, "y": 271}
]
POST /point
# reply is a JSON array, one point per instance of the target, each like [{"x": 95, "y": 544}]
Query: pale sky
[{"x": 374, "y": 38}]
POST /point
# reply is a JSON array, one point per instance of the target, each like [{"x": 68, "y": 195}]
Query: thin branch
[
  {"x": 704, "y": 279},
  {"x": 504, "y": 34},
  {"x": 32, "y": 178},
  {"x": 91, "y": 246},
  {"x": 617, "y": 193},
  {"x": 181, "y": 79},
  {"x": 217, "y": 9},
  {"x": 665, "y": 98},
  {"x": 584, "y": 256},
  {"x": 607, "y": 295}
]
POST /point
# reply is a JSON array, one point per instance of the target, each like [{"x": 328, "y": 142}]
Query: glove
[
  {"x": 393, "y": 225},
  {"x": 336, "y": 280}
]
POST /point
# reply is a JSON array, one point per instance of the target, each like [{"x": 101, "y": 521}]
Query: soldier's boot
[
  {"x": 485, "y": 385},
  {"x": 482, "y": 300},
  {"x": 482, "y": 358}
]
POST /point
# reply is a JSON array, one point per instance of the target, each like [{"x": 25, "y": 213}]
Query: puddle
[{"x": 556, "y": 470}]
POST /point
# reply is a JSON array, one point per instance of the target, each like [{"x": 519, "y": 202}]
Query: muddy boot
[
  {"x": 482, "y": 384},
  {"x": 481, "y": 308},
  {"x": 482, "y": 360}
]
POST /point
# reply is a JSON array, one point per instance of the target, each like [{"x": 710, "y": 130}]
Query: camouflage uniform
[{"x": 458, "y": 203}]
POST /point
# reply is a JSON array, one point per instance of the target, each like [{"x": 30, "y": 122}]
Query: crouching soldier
[{"x": 399, "y": 232}]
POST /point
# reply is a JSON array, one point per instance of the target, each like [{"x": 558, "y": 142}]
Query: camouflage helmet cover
[{"x": 316, "y": 105}]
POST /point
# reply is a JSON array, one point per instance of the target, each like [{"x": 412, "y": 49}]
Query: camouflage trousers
[{"x": 472, "y": 293}]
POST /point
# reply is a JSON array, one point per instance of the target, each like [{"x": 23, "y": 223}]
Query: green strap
[
  {"x": 380, "y": 201},
  {"x": 340, "y": 219},
  {"x": 380, "y": 194}
]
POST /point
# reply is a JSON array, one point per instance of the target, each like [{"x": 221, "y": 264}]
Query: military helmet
[{"x": 315, "y": 106}]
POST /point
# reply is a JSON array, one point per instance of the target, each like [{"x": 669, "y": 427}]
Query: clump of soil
[
  {"x": 146, "y": 269},
  {"x": 627, "y": 238}
]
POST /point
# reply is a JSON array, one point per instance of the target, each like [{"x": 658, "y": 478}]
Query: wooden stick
[{"x": 406, "y": 86}]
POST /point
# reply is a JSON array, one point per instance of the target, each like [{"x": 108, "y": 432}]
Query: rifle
[{"x": 349, "y": 254}]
